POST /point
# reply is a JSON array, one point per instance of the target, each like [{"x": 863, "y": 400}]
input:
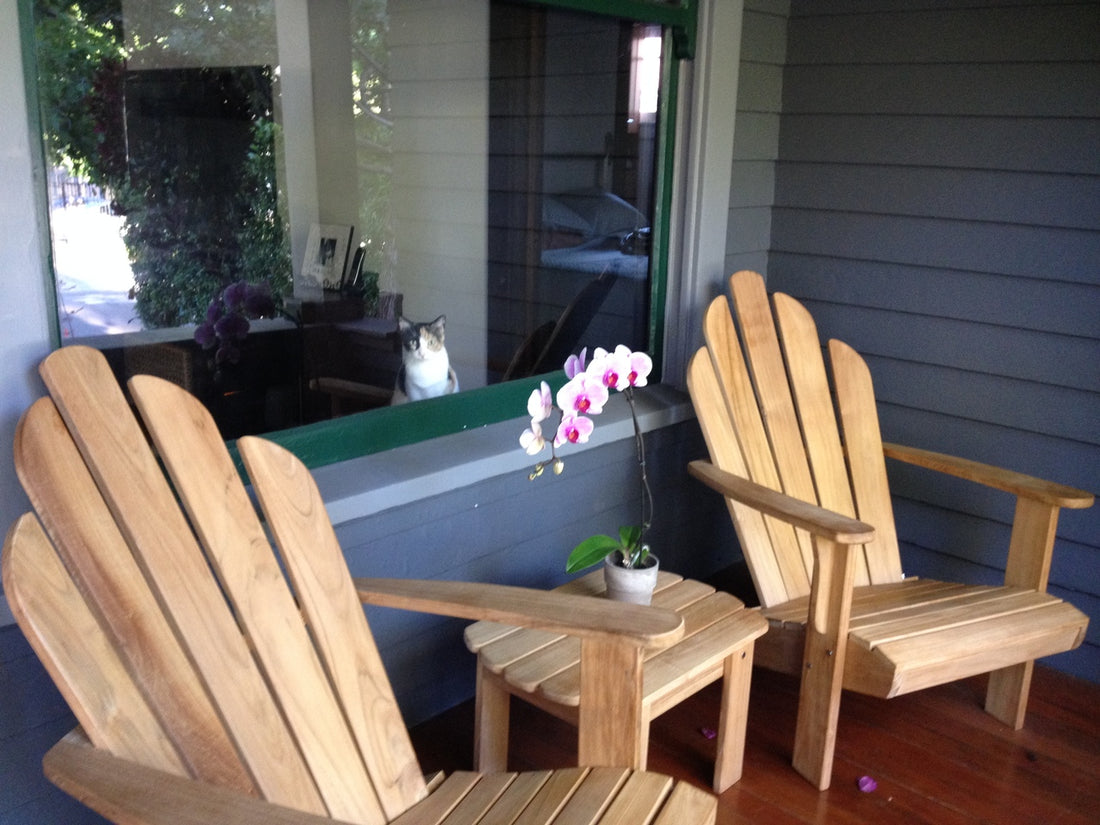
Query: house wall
[
  {"x": 756, "y": 137},
  {"x": 937, "y": 208}
]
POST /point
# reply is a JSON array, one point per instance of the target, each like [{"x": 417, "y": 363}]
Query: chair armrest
[
  {"x": 998, "y": 478},
  {"x": 128, "y": 792},
  {"x": 649, "y": 628},
  {"x": 810, "y": 517}
]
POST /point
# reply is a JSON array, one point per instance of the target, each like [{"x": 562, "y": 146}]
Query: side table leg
[
  {"x": 491, "y": 710},
  {"x": 612, "y": 728},
  {"x": 733, "y": 718}
]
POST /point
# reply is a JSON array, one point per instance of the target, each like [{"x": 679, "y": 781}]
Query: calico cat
[{"x": 425, "y": 368}]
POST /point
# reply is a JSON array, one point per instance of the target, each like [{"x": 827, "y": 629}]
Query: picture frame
[{"x": 326, "y": 255}]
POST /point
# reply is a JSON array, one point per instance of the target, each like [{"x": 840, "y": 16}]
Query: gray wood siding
[
  {"x": 937, "y": 206},
  {"x": 756, "y": 135}
]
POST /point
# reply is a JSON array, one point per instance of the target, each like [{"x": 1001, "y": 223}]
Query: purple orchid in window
[
  {"x": 228, "y": 319},
  {"x": 583, "y": 396}
]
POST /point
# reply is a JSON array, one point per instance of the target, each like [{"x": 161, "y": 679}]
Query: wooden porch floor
[{"x": 936, "y": 756}]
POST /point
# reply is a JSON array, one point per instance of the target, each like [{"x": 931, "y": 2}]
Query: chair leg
[
  {"x": 491, "y": 711},
  {"x": 823, "y": 662},
  {"x": 733, "y": 720},
  {"x": 1007, "y": 694}
]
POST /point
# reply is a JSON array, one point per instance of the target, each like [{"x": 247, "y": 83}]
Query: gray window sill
[{"x": 373, "y": 483}]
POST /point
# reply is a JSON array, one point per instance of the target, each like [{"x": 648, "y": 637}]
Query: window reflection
[{"x": 488, "y": 161}]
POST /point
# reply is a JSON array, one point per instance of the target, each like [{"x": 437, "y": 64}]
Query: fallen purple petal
[
  {"x": 709, "y": 733},
  {"x": 867, "y": 784}
]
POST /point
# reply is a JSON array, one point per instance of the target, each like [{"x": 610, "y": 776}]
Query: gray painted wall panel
[
  {"x": 1042, "y": 199},
  {"x": 757, "y": 137},
  {"x": 1006, "y": 249},
  {"x": 978, "y": 395},
  {"x": 937, "y": 207},
  {"x": 760, "y": 87},
  {"x": 1026, "y": 303},
  {"x": 1061, "y": 361},
  {"x": 749, "y": 229},
  {"x": 978, "y": 90},
  {"x": 753, "y": 184},
  {"x": 988, "y": 34},
  {"x": 960, "y": 142}
]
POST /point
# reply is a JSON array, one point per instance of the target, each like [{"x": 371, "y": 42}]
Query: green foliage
[
  {"x": 594, "y": 549},
  {"x": 198, "y": 217},
  {"x": 373, "y": 131},
  {"x": 80, "y": 60},
  {"x": 263, "y": 237}
]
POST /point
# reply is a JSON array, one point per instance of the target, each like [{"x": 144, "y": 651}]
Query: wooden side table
[{"x": 544, "y": 669}]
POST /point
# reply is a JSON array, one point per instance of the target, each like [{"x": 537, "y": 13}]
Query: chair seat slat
[{"x": 977, "y": 609}]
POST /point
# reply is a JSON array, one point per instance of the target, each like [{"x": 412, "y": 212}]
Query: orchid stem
[{"x": 639, "y": 446}]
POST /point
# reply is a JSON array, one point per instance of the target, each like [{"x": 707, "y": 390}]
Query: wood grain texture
[
  {"x": 937, "y": 758},
  {"x": 79, "y": 656},
  {"x": 99, "y": 560},
  {"x": 225, "y": 521},
  {"x": 792, "y": 553},
  {"x": 863, "y": 442},
  {"x": 144, "y": 505},
  {"x": 315, "y": 563},
  {"x": 751, "y": 526},
  {"x": 719, "y": 634},
  {"x": 647, "y": 627}
]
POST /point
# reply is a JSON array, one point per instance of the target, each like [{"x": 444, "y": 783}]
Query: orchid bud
[{"x": 559, "y": 465}]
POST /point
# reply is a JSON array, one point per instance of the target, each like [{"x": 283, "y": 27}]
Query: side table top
[{"x": 716, "y": 625}]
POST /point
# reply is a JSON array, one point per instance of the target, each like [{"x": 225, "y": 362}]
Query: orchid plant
[
  {"x": 582, "y": 397},
  {"x": 227, "y": 319}
]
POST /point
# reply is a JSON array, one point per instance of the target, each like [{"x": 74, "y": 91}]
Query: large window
[{"x": 496, "y": 163}]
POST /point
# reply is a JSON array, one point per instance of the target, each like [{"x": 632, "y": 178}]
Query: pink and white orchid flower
[
  {"x": 574, "y": 429},
  {"x": 584, "y": 395},
  {"x": 531, "y": 440},
  {"x": 611, "y": 368},
  {"x": 540, "y": 404},
  {"x": 574, "y": 364},
  {"x": 641, "y": 365}
]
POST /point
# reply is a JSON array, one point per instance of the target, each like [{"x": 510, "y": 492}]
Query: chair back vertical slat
[
  {"x": 725, "y": 453},
  {"x": 298, "y": 521},
  {"x": 810, "y": 387},
  {"x": 866, "y": 460},
  {"x": 86, "y": 537},
  {"x": 773, "y": 393},
  {"x": 222, "y": 515},
  {"x": 80, "y": 657},
  {"x": 144, "y": 506},
  {"x": 769, "y": 374},
  {"x": 781, "y": 541}
]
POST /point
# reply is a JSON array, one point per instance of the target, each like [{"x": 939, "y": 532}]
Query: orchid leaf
[
  {"x": 589, "y": 552},
  {"x": 630, "y": 536}
]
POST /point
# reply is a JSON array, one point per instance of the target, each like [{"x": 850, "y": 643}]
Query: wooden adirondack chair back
[
  {"x": 172, "y": 631},
  {"x": 762, "y": 394}
]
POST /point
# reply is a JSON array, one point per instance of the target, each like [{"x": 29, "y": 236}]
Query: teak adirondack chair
[
  {"x": 840, "y": 611},
  {"x": 208, "y": 688}
]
